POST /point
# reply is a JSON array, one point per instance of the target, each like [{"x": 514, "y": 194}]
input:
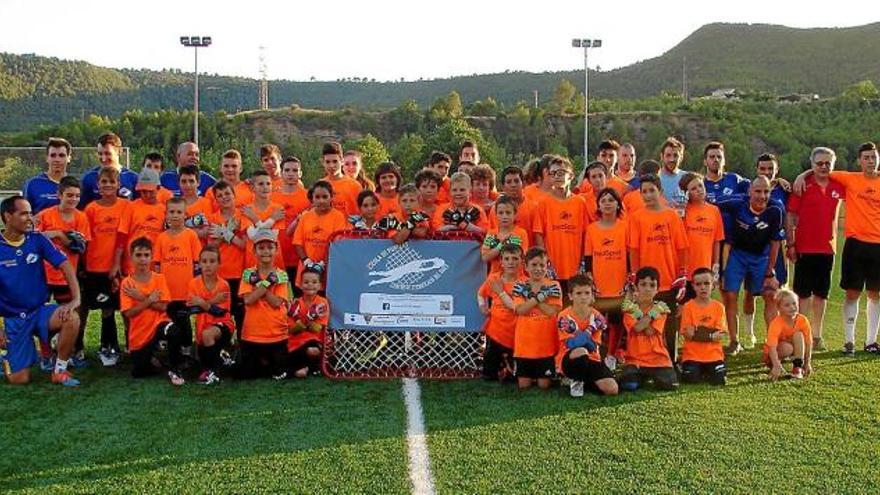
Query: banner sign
[{"x": 374, "y": 284}]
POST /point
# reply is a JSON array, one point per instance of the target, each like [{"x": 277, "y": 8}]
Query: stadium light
[
  {"x": 586, "y": 44},
  {"x": 196, "y": 42}
]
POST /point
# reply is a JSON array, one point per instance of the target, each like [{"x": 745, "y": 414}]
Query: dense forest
[{"x": 755, "y": 58}]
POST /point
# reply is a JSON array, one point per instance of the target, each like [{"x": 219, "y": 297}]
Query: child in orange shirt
[
  {"x": 507, "y": 232},
  {"x": 460, "y": 213},
  {"x": 345, "y": 188},
  {"x": 703, "y": 225},
  {"x": 580, "y": 329},
  {"x": 703, "y": 325},
  {"x": 496, "y": 302},
  {"x": 410, "y": 222},
  {"x": 388, "y": 182},
  {"x": 100, "y": 290},
  {"x": 309, "y": 316},
  {"x": 144, "y": 301},
  {"x": 226, "y": 233},
  {"x": 209, "y": 298},
  {"x": 483, "y": 192},
  {"x": 439, "y": 163},
  {"x": 196, "y": 207},
  {"x": 428, "y": 183},
  {"x": 316, "y": 227},
  {"x": 265, "y": 291},
  {"x": 538, "y": 299},
  {"x": 262, "y": 213},
  {"x": 789, "y": 335},
  {"x": 294, "y": 198},
  {"x": 144, "y": 217},
  {"x": 368, "y": 206},
  {"x": 646, "y": 357},
  {"x": 230, "y": 172},
  {"x": 68, "y": 229}
]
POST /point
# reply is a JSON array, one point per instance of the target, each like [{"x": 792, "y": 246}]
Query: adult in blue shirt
[
  {"x": 758, "y": 230},
  {"x": 671, "y": 155},
  {"x": 108, "y": 150},
  {"x": 187, "y": 154},
  {"x": 24, "y": 294},
  {"x": 41, "y": 191},
  {"x": 720, "y": 184}
]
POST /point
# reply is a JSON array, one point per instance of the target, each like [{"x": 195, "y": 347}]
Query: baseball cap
[
  {"x": 147, "y": 180},
  {"x": 261, "y": 234}
]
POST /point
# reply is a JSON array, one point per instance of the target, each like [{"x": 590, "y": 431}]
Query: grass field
[{"x": 317, "y": 436}]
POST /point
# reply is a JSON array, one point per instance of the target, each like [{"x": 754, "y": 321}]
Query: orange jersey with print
[
  {"x": 294, "y": 203},
  {"x": 516, "y": 233},
  {"x": 201, "y": 205},
  {"x": 244, "y": 195},
  {"x": 862, "y": 219},
  {"x": 50, "y": 219},
  {"x": 704, "y": 229},
  {"x": 313, "y": 233},
  {"x": 142, "y": 327},
  {"x": 564, "y": 222},
  {"x": 388, "y": 206},
  {"x": 197, "y": 287},
  {"x": 525, "y": 218},
  {"x": 658, "y": 236},
  {"x": 437, "y": 220},
  {"x": 535, "y": 332},
  {"x": 608, "y": 247},
  {"x": 176, "y": 255},
  {"x": 696, "y": 315},
  {"x": 345, "y": 193},
  {"x": 104, "y": 226},
  {"x": 501, "y": 321},
  {"x": 231, "y": 256},
  {"x": 141, "y": 220},
  {"x": 301, "y": 308},
  {"x": 780, "y": 331},
  {"x": 264, "y": 324},
  {"x": 563, "y": 334},
  {"x": 644, "y": 350}
]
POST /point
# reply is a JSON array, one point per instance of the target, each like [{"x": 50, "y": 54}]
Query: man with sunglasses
[{"x": 41, "y": 191}]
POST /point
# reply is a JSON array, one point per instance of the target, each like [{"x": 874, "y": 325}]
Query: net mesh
[{"x": 376, "y": 354}]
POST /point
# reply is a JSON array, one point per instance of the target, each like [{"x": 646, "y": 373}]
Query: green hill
[{"x": 38, "y": 90}]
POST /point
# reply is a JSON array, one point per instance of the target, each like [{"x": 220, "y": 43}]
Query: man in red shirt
[{"x": 813, "y": 242}]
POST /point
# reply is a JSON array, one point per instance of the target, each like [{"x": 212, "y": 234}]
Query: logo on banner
[{"x": 403, "y": 268}]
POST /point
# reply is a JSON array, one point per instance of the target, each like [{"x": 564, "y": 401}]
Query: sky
[{"x": 380, "y": 39}]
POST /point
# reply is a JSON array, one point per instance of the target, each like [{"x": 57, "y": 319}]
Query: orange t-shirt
[
  {"x": 619, "y": 185},
  {"x": 535, "y": 332},
  {"x": 250, "y": 258},
  {"x": 704, "y": 229},
  {"x": 501, "y": 321},
  {"x": 201, "y": 205},
  {"x": 231, "y": 256},
  {"x": 244, "y": 195},
  {"x": 592, "y": 207},
  {"x": 564, "y": 222},
  {"x": 141, "y": 220},
  {"x": 388, "y": 206},
  {"x": 658, "y": 236},
  {"x": 176, "y": 255},
  {"x": 142, "y": 327},
  {"x": 633, "y": 201},
  {"x": 104, "y": 225},
  {"x": 299, "y": 339},
  {"x": 780, "y": 331},
  {"x": 313, "y": 233},
  {"x": 50, "y": 219},
  {"x": 345, "y": 193},
  {"x": 443, "y": 191},
  {"x": 437, "y": 220},
  {"x": 294, "y": 204},
  {"x": 695, "y": 315},
  {"x": 582, "y": 324},
  {"x": 264, "y": 324},
  {"x": 642, "y": 350},
  {"x": 526, "y": 215},
  {"x": 517, "y": 233},
  {"x": 862, "y": 205},
  {"x": 163, "y": 195},
  {"x": 197, "y": 287},
  {"x": 608, "y": 247}
]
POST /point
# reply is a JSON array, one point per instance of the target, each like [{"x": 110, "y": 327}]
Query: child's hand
[
  {"x": 154, "y": 296},
  {"x": 808, "y": 369},
  {"x": 689, "y": 332},
  {"x": 133, "y": 293},
  {"x": 496, "y": 285},
  {"x": 775, "y": 372},
  {"x": 278, "y": 214},
  {"x": 716, "y": 336},
  {"x": 195, "y": 301}
]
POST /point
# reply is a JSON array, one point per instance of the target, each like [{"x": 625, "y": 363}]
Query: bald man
[{"x": 187, "y": 154}]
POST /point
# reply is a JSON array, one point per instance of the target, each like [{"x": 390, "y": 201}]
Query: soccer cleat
[
  {"x": 47, "y": 364},
  {"x": 227, "y": 359},
  {"x": 175, "y": 378},
  {"x": 873, "y": 348},
  {"x": 576, "y": 389},
  {"x": 819, "y": 344},
  {"x": 65, "y": 378},
  {"x": 849, "y": 349},
  {"x": 750, "y": 342},
  {"x": 280, "y": 377},
  {"x": 797, "y": 372},
  {"x": 78, "y": 360},
  {"x": 208, "y": 377},
  {"x": 109, "y": 357},
  {"x": 733, "y": 349}
]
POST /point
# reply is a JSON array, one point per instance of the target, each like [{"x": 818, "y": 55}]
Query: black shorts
[
  {"x": 812, "y": 275},
  {"x": 262, "y": 360},
  {"x": 298, "y": 358},
  {"x": 714, "y": 372},
  {"x": 225, "y": 334},
  {"x": 535, "y": 368},
  {"x": 585, "y": 369},
  {"x": 496, "y": 360},
  {"x": 663, "y": 378},
  {"x": 860, "y": 268},
  {"x": 60, "y": 293},
  {"x": 98, "y": 291}
]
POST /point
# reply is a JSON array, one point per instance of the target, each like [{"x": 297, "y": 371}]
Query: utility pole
[
  {"x": 195, "y": 42},
  {"x": 586, "y": 44}
]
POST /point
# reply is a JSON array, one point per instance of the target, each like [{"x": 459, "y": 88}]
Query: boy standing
[{"x": 703, "y": 325}]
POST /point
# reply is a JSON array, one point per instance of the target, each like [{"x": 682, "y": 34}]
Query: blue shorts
[
  {"x": 20, "y": 334},
  {"x": 744, "y": 267}
]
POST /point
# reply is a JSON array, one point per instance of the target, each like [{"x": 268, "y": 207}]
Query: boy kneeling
[
  {"x": 703, "y": 324},
  {"x": 308, "y": 319},
  {"x": 209, "y": 298}
]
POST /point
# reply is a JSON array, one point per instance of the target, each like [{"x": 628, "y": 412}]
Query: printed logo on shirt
[
  {"x": 125, "y": 192},
  {"x": 32, "y": 258}
]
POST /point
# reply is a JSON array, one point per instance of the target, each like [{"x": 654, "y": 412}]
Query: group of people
[{"x": 584, "y": 275}]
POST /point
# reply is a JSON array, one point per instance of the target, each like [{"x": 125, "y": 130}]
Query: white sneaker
[
  {"x": 577, "y": 388},
  {"x": 109, "y": 357},
  {"x": 611, "y": 362},
  {"x": 750, "y": 341}
]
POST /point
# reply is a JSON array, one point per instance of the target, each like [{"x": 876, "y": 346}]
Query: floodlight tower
[
  {"x": 264, "y": 80},
  {"x": 586, "y": 44},
  {"x": 196, "y": 42}
]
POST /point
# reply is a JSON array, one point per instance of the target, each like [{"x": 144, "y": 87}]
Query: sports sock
[
  {"x": 873, "y": 310},
  {"x": 108, "y": 332},
  {"x": 749, "y": 323},
  {"x": 45, "y": 349},
  {"x": 61, "y": 365},
  {"x": 850, "y": 316},
  {"x": 797, "y": 362}
]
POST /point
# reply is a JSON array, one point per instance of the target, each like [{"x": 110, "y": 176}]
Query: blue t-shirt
[
  {"x": 752, "y": 232},
  {"x": 674, "y": 195},
  {"x": 23, "y": 286},
  {"x": 127, "y": 183},
  {"x": 729, "y": 184},
  {"x": 171, "y": 181},
  {"x": 41, "y": 192}
]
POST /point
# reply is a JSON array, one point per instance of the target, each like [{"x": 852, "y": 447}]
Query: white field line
[{"x": 419, "y": 460}]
